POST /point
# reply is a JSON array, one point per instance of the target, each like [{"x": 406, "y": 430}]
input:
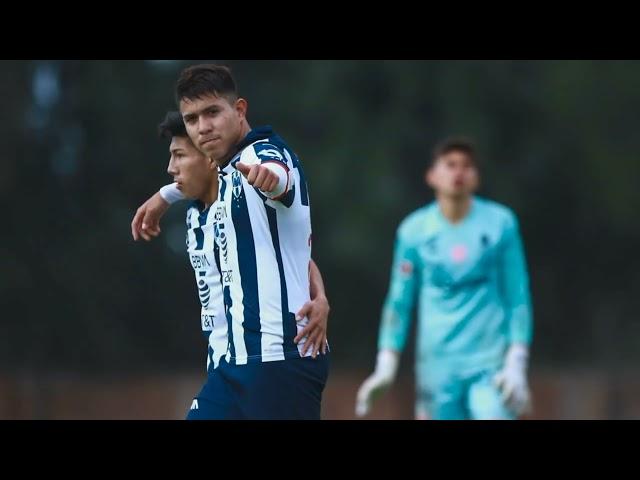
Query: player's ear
[
  {"x": 476, "y": 180},
  {"x": 241, "y": 106},
  {"x": 428, "y": 176}
]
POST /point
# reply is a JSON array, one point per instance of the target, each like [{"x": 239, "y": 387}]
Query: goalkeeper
[{"x": 462, "y": 256}]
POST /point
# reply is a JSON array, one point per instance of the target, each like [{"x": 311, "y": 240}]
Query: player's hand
[
  {"x": 382, "y": 377},
  {"x": 317, "y": 310},
  {"x": 146, "y": 221},
  {"x": 259, "y": 176},
  {"x": 512, "y": 380}
]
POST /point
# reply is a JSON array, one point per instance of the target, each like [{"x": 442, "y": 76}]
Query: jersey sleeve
[
  {"x": 396, "y": 311},
  {"x": 171, "y": 194},
  {"x": 514, "y": 284},
  {"x": 274, "y": 158}
]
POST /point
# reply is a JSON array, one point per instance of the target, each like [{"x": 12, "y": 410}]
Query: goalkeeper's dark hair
[
  {"x": 455, "y": 144},
  {"x": 172, "y": 126}
]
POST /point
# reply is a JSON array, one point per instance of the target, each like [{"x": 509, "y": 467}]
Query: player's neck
[
  {"x": 244, "y": 131},
  {"x": 454, "y": 209},
  {"x": 246, "y": 128}
]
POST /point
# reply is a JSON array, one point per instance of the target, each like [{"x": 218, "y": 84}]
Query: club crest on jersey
[
  {"x": 459, "y": 253},
  {"x": 236, "y": 181}
]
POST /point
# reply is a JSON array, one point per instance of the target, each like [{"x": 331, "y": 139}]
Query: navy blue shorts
[{"x": 288, "y": 389}]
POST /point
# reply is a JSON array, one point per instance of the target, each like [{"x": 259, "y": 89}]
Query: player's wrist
[
  {"x": 320, "y": 297},
  {"x": 284, "y": 179},
  {"x": 517, "y": 356},
  {"x": 387, "y": 364}
]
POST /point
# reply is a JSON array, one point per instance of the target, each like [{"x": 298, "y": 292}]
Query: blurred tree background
[{"x": 558, "y": 142}]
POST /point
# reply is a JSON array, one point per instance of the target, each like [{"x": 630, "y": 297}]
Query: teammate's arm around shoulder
[{"x": 146, "y": 221}]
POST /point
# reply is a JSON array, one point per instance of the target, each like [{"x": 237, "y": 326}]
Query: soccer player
[
  {"x": 263, "y": 235},
  {"x": 463, "y": 255},
  {"x": 199, "y": 177}
]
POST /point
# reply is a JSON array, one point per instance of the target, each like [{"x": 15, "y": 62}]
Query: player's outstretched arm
[{"x": 271, "y": 178}]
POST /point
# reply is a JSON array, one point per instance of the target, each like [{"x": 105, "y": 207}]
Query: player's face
[
  {"x": 453, "y": 174},
  {"x": 192, "y": 170},
  {"x": 214, "y": 124}
]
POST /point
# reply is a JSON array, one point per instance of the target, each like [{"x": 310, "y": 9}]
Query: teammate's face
[
  {"x": 453, "y": 174},
  {"x": 214, "y": 124},
  {"x": 192, "y": 170}
]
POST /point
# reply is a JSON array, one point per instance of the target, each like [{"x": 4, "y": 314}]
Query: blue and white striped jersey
[
  {"x": 264, "y": 250},
  {"x": 202, "y": 250}
]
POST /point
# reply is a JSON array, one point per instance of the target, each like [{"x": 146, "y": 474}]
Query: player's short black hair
[
  {"x": 198, "y": 81},
  {"x": 455, "y": 144},
  {"x": 172, "y": 126}
]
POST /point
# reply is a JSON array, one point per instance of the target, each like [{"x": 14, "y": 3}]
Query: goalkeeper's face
[
  {"x": 194, "y": 172},
  {"x": 454, "y": 175}
]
